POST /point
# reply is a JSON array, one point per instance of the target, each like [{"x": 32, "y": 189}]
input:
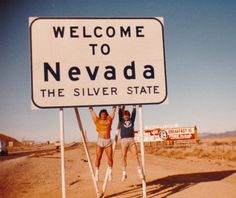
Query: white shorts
[{"x": 104, "y": 143}]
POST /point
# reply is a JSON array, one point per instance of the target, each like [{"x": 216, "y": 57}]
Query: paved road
[{"x": 13, "y": 155}]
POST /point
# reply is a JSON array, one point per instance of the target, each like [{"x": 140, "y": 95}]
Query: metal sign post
[
  {"x": 87, "y": 151},
  {"x": 142, "y": 149},
  {"x": 63, "y": 182}
]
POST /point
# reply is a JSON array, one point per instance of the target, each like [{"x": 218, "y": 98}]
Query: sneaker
[
  {"x": 140, "y": 173},
  {"x": 124, "y": 176}
]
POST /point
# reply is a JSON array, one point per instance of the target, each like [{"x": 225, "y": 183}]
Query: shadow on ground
[{"x": 169, "y": 185}]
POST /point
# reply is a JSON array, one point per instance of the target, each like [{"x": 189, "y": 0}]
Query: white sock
[
  {"x": 109, "y": 170},
  {"x": 124, "y": 170},
  {"x": 96, "y": 170},
  {"x": 96, "y": 174},
  {"x": 124, "y": 174},
  {"x": 109, "y": 173},
  {"x": 140, "y": 173}
]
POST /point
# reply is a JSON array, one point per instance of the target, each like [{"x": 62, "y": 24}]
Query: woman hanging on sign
[
  {"x": 127, "y": 140},
  {"x": 103, "y": 124}
]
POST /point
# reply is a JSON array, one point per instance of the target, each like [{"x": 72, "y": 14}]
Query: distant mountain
[
  {"x": 217, "y": 135},
  {"x": 8, "y": 139}
]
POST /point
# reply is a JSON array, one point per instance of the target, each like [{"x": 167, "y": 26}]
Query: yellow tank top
[{"x": 103, "y": 125}]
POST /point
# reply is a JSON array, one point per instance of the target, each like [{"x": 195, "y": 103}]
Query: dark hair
[
  {"x": 103, "y": 111},
  {"x": 126, "y": 112}
]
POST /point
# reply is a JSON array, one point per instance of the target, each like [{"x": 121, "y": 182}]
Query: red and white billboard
[{"x": 168, "y": 134}]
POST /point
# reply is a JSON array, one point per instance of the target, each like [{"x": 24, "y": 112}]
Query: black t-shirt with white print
[{"x": 127, "y": 127}]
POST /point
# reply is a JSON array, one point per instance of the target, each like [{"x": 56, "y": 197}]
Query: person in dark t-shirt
[{"x": 127, "y": 139}]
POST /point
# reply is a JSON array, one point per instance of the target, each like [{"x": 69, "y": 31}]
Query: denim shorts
[{"x": 104, "y": 143}]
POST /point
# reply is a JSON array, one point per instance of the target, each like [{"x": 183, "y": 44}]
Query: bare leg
[
  {"x": 124, "y": 150},
  {"x": 99, "y": 152},
  {"x": 134, "y": 152},
  {"x": 109, "y": 153}
]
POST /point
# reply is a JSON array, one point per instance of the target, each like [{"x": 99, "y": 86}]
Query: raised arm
[
  {"x": 93, "y": 114},
  {"x": 133, "y": 113},
  {"x": 113, "y": 111},
  {"x": 121, "y": 110}
]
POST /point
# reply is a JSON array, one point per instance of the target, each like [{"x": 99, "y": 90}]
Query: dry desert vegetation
[{"x": 215, "y": 150}]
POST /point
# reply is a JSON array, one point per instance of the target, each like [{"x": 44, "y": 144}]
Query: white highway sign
[{"x": 97, "y": 61}]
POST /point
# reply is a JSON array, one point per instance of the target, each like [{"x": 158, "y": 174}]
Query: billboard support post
[
  {"x": 63, "y": 183},
  {"x": 142, "y": 149},
  {"x": 87, "y": 151}
]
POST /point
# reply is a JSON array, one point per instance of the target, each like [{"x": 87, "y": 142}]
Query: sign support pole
[
  {"x": 113, "y": 149},
  {"x": 63, "y": 183},
  {"x": 86, "y": 151},
  {"x": 141, "y": 135}
]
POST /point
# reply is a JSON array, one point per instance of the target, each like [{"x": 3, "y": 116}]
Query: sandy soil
[{"x": 39, "y": 176}]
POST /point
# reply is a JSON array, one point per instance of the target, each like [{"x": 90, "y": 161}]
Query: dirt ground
[{"x": 39, "y": 176}]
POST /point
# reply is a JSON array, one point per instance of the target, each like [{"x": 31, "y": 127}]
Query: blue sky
[{"x": 200, "y": 39}]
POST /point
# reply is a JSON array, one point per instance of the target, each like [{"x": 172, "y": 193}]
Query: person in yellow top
[{"x": 103, "y": 124}]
